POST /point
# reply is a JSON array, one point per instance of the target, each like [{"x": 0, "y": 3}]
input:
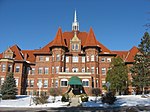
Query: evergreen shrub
[{"x": 108, "y": 98}]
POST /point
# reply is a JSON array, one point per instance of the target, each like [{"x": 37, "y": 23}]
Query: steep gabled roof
[
  {"x": 127, "y": 56},
  {"x": 58, "y": 40},
  {"x": 17, "y": 52},
  {"x": 121, "y": 54},
  {"x": 90, "y": 40},
  {"x": 132, "y": 52},
  {"x": 29, "y": 55},
  {"x": 104, "y": 50}
]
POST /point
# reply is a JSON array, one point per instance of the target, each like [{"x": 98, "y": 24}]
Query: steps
[{"x": 75, "y": 101}]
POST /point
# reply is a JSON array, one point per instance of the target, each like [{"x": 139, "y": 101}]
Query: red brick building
[{"x": 73, "y": 53}]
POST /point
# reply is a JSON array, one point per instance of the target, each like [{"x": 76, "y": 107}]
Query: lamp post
[
  {"x": 108, "y": 85},
  {"x": 39, "y": 84}
]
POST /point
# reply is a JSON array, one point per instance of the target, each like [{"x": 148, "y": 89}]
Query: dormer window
[{"x": 75, "y": 46}]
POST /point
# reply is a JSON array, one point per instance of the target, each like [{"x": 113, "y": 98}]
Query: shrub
[
  {"x": 108, "y": 98},
  {"x": 84, "y": 97},
  {"x": 40, "y": 100},
  {"x": 96, "y": 92},
  {"x": 65, "y": 97},
  {"x": 5, "y": 97},
  {"x": 55, "y": 92}
]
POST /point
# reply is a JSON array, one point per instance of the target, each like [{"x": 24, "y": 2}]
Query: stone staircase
[{"x": 75, "y": 101}]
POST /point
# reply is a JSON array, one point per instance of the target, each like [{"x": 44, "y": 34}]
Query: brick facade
[{"x": 70, "y": 54}]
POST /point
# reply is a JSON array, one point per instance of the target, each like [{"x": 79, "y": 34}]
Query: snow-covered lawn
[
  {"x": 27, "y": 101},
  {"x": 127, "y": 100}
]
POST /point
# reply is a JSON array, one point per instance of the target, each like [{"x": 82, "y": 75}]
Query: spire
[
  {"x": 75, "y": 24},
  {"x": 90, "y": 39},
  {"x": 75, "y": 16},
  {"x": 58, "y": 41}
]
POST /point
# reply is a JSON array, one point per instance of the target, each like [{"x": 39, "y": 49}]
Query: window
[
  {"x": 75, "y": 58},
  {"x": 87, "y": 58},
  {"x": 16, "y": 82},
  {"x": 17, "y": 69},
  {"x": 74, "y": 69},
  {"x": 28, "y": 70},
  {"x": 62, "y": 69},
  {"x": 47, "y": 59},
  {"x": 40, "y": 70},
  {"x": 63, "y": 57},
  {"x": 67, "y": 59},
  {"x": 108, "y": 59},
  {"x": 30, "y": 92},
  {"x": 2, "y": 81},
  {"x": 103, "y": 60},
  {"x": 53, "y": 58},
  {"x": 85, "y": 82},
  {"x": 64, "y": 82},
  {"x": 67, "y": 69},
  {"x": 31, "y": 83},
  {"x": 72, "y": 46},
  {"x": 96, "y": 57},
  {"x": 45, "y": 83},
  {"x": 57, "y": 57},
  {"x": 92, "y": 57},
  {"x": 96, "y": 82},
  {"x": 104, "y": 71},
  {"x": 9, "y": 68},
  {"x": 57, "y": 69},
  {"x": 92, "y": 70},
  {"x": 83, "y": 59},
  {"x": 103, "y": 82},
  {"x": 3, "y": 67},
  {"x": 46, "y": 70},
  {"x": 88, "y": 69},
  {"x": 39, "y": 83},
  {"x": 97, "y": 70},
  {"x": 41, "y": 58},
  {"x": 77, "y": 47},
  {"x": 52, "y": 70},
  {"x": 56, "y": 83},
  {"x": 33, "y": 71},
  {"x": 83, "y": 69}
]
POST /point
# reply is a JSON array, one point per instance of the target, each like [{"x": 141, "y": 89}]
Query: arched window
[{"x": 77, "y": 47}]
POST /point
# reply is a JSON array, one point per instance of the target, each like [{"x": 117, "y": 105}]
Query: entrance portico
[{"x": 76, "y": 85}]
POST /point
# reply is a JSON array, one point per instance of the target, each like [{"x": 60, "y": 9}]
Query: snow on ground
[
  {"x": 27, "y": 101},
  {"x": 127, "y": 100}
]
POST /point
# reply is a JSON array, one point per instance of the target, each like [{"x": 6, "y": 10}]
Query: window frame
[
  {"x": 85, "y": 82},
  {"x": 63, "y": 82}
]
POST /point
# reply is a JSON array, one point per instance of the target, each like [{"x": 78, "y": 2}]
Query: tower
[{"x": 75, "y": 24}]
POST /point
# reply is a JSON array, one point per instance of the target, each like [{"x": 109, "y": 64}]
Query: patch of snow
[{"x": 125, "y": 100}]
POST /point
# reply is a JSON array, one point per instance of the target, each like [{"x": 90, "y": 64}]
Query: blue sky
[{"x": 31, "y": 24}]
